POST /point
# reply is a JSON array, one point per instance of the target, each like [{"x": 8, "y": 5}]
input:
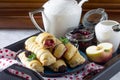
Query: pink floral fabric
[{"x": 7, "y": 58}]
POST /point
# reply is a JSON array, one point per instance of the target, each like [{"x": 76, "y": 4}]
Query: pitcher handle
[{"x": 31, "y": 15}]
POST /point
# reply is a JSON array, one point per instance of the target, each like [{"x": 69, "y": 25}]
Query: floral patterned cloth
[{"x": 7, "y": 58}]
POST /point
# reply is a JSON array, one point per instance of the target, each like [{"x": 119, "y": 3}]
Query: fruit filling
[
  {"x": 83, "y": 37},
  {"x": 49, "y": 43},
  {"x": 81, "y": 34}
]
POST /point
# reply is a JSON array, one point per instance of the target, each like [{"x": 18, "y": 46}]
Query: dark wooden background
[{"x": 14, "y": 13}]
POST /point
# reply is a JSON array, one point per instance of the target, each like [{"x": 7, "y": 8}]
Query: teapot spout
[{"x": 81, "y": 2}]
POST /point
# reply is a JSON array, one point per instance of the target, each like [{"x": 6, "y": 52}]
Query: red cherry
[{"x": 49, "y": 42}]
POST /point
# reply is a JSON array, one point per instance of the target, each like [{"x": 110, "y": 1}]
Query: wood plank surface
[{"x": 14, "y": 13}]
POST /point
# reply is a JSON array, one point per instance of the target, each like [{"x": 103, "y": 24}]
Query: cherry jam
[{"x": 82, "y": 38}]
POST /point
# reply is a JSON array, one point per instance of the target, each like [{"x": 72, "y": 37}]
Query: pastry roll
[
  {"x": 59, "y": 50},
  {"x": 45, "y": 57},
  {"x": 70, "y": 52},
  {"x": 58, "y": 66},
  {"x": 32, "y": 64},
  {"x": 46, "y": 40},
  {"x": 57, "y": 43},
  {"x": 76, "y": 60},
  {"x": 31, "y": 45},
  {"x": 30, "y": 40}
]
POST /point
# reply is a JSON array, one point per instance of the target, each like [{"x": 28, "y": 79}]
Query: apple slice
[{"x": 100, "y": 53}]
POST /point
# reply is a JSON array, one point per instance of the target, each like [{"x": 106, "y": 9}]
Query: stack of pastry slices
[{"x": 47, "y": 50}]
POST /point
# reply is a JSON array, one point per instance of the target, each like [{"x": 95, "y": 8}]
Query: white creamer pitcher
[
  {"x": 108, "y": 31},
  {"x": 59, "y": 16}
]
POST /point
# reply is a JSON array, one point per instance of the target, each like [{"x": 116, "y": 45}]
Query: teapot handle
[{"x": 31, "y": 15}]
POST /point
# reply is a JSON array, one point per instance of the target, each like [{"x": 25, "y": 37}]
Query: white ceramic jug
[
  {"x": 108, "y": 31},
  {"x": 59, "y": 16}
]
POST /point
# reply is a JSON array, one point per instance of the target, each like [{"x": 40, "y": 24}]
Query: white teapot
[{"x": 59, "y": 16}]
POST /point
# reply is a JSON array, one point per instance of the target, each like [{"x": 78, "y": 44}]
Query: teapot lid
[
  {"x": 92, "y": 17},
  {"x": 58, "y": 6},
  {"x": 59, "y": 2}
]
